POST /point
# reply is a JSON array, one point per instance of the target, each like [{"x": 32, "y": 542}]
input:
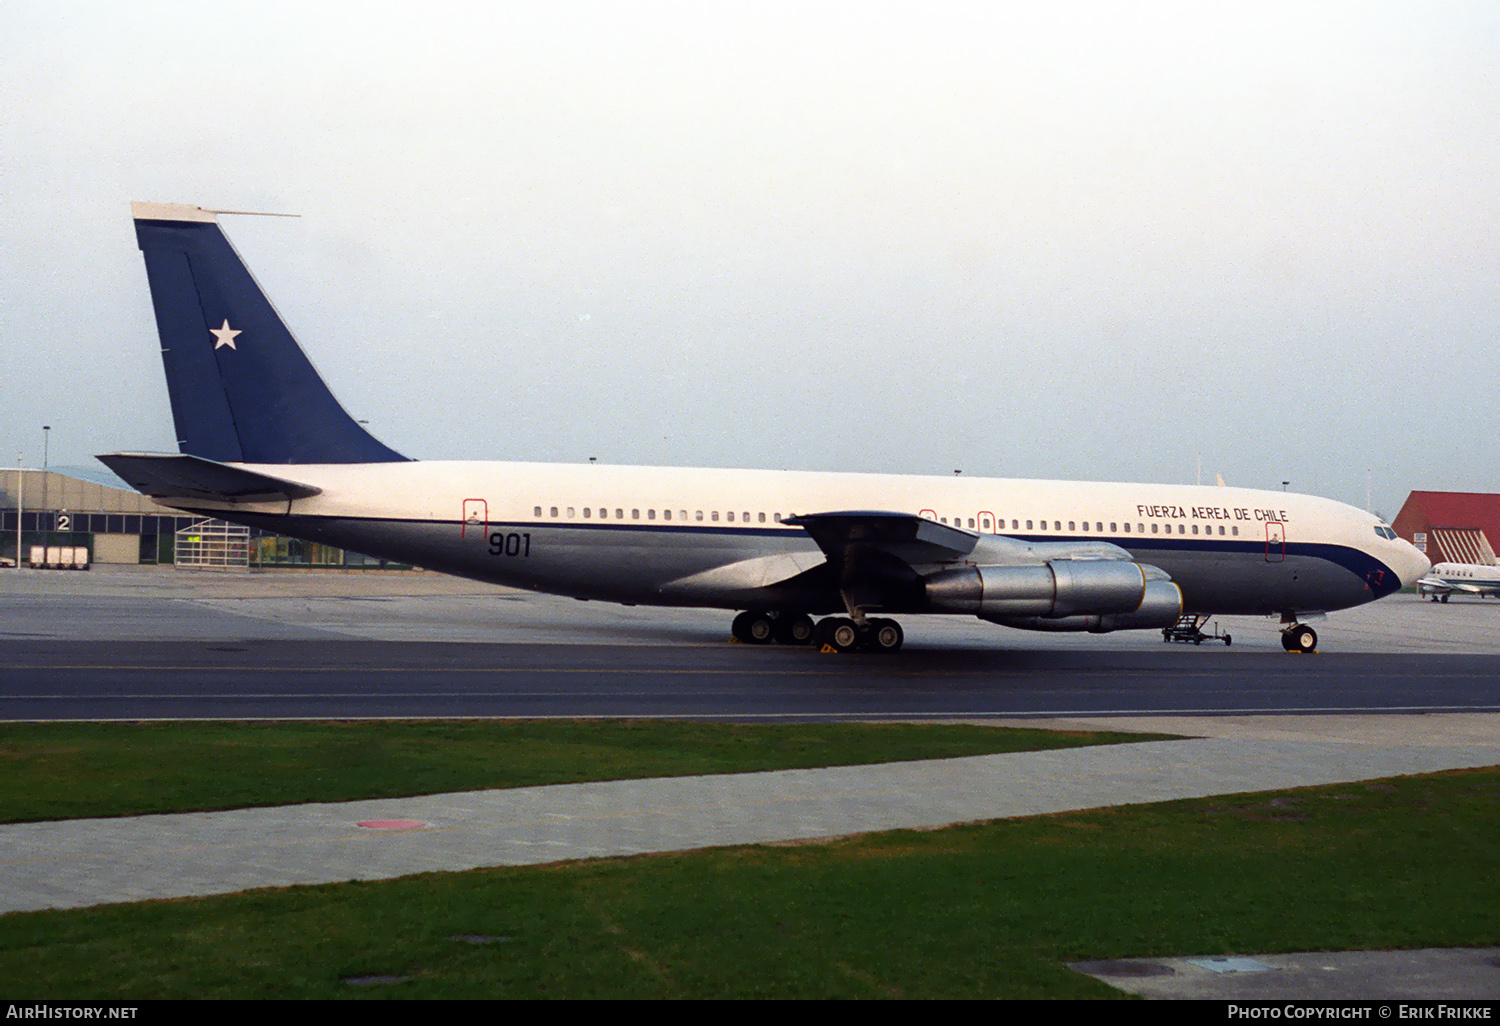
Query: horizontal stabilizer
[{"x": 168, "y": 476}]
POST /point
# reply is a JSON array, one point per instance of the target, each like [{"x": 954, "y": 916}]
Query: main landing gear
[
  {"x": 1299, "y": 637},
  {"x": 839, "y": 633}
]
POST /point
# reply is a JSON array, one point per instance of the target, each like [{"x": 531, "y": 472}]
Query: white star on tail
[{"x": 224, "y": 335}]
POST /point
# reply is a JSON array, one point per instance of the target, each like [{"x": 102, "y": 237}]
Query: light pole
[
  {"x": 46, "y": 438},
  {"x": 20, "y": 507}
]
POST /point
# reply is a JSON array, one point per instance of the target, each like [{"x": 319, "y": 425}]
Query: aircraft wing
[
  {"x": 873, "y": 553},
  {"x": 172, "y": 476},
  {"x": 910, "y": 538},
  {"x": 1434, "y": 586}
]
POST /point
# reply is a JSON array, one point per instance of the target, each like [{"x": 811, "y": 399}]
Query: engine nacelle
[
  {"x": 1063, "y": 595},
  {"x": 1160, "y": 607}
]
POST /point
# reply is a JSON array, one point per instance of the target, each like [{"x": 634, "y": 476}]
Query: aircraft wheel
[
  {"x": 794, "y": 629},
  {"x": 843, "y": 634},
  {"x": 1300, "y": 638},
  {"x": 753, "y": 628},
  {"x": 1445, "y": 599},
  {"x": 885, "y": 636}
]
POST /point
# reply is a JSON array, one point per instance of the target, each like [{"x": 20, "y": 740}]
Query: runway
[
  {"x": 341, "y": 679},
  {"x": 160, "y": 644},
  {"x": 149, "y": 643}
]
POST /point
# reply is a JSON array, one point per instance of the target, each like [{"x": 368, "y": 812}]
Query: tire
[
  {"x": 844, "y": 635},
  {"x": 1301, "y": 638},
  {"x": 794, "y": 629},
  {"x": 760, "y": 629},
  {"x": 885, "y": 636}
]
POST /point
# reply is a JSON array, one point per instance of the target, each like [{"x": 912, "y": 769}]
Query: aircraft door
[
  {"x": 476, "y": 518},
  {"x": 1275, "y": 541}
]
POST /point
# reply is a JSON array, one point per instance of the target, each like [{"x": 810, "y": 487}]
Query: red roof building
[{"x": 1451, "y": 527}]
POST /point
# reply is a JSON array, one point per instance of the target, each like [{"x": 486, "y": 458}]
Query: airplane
[
  {"x": 262, "y": 442},
  {"x": 1466, "y": 578}
]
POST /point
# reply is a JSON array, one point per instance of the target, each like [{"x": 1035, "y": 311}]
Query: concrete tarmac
[{"x": 85, "y": 862}]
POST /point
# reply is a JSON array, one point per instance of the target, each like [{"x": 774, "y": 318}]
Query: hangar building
[
  {"x": 121, "y": 526},
  {"x": 1451, "y": 527}
]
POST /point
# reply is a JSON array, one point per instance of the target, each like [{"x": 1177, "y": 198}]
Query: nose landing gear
[{"x": 1298, "y": 637}]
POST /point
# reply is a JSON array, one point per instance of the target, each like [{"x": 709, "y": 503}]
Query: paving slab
[{"x": 1424, "y": 974}]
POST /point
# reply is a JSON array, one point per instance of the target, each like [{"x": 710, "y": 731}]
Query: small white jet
[
  {"x": 1465, "y": 578},
  {"x": 264, "y": 443}
]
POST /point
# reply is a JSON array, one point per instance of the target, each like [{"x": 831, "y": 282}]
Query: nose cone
[{"x": 1410, "y": 563}]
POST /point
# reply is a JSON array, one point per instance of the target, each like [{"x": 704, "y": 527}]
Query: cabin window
[
  {"x": 1235, "y": 530},
  {"x": 1153, "y": 528},
  {"x": 971, "y": 521},
  {"x": 1113, "y": 527},
  {"x": 1195, "y": 528},
  {"x": 586, "y": 512},
  {"x": 1127, "y": 528},
  {"x": 700, "y": 514},
  {"x": 1028, "y": 525},
  {"x": 714, "y": 516},
  {"x": 537, "y": 512},
  {"x": 619, "y": 514},
  {"x": 1071, "y": 527},
  {"x": 666, "y": 514},
  {"x": 777, "y": 516},
  {"x": 554, "y": 511},
  {"x": 762, "y": 518},
  {"x": 570, "y": 512},
  {"x": 635, "y": 514},
  {"x": 730, "y": 516},
  {"x": 650, "y": 514},
  {"x": 682, "y": 514}
]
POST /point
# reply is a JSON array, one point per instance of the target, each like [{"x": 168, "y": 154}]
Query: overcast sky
[{"x": 1063, "y": 239}]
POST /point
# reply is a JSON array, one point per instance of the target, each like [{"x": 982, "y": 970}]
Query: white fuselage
[
  {"x": 1469, "y": 578},
  {"x": 678, "y": 536}
]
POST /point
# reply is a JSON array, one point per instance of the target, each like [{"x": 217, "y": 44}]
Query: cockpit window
[{"x": 1386, "y": 532}]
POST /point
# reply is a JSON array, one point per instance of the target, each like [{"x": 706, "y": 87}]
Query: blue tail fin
[{"x": 242, "y": 390}]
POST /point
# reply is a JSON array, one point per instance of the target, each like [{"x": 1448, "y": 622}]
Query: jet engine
[{"x": 1061, "y": 595}]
